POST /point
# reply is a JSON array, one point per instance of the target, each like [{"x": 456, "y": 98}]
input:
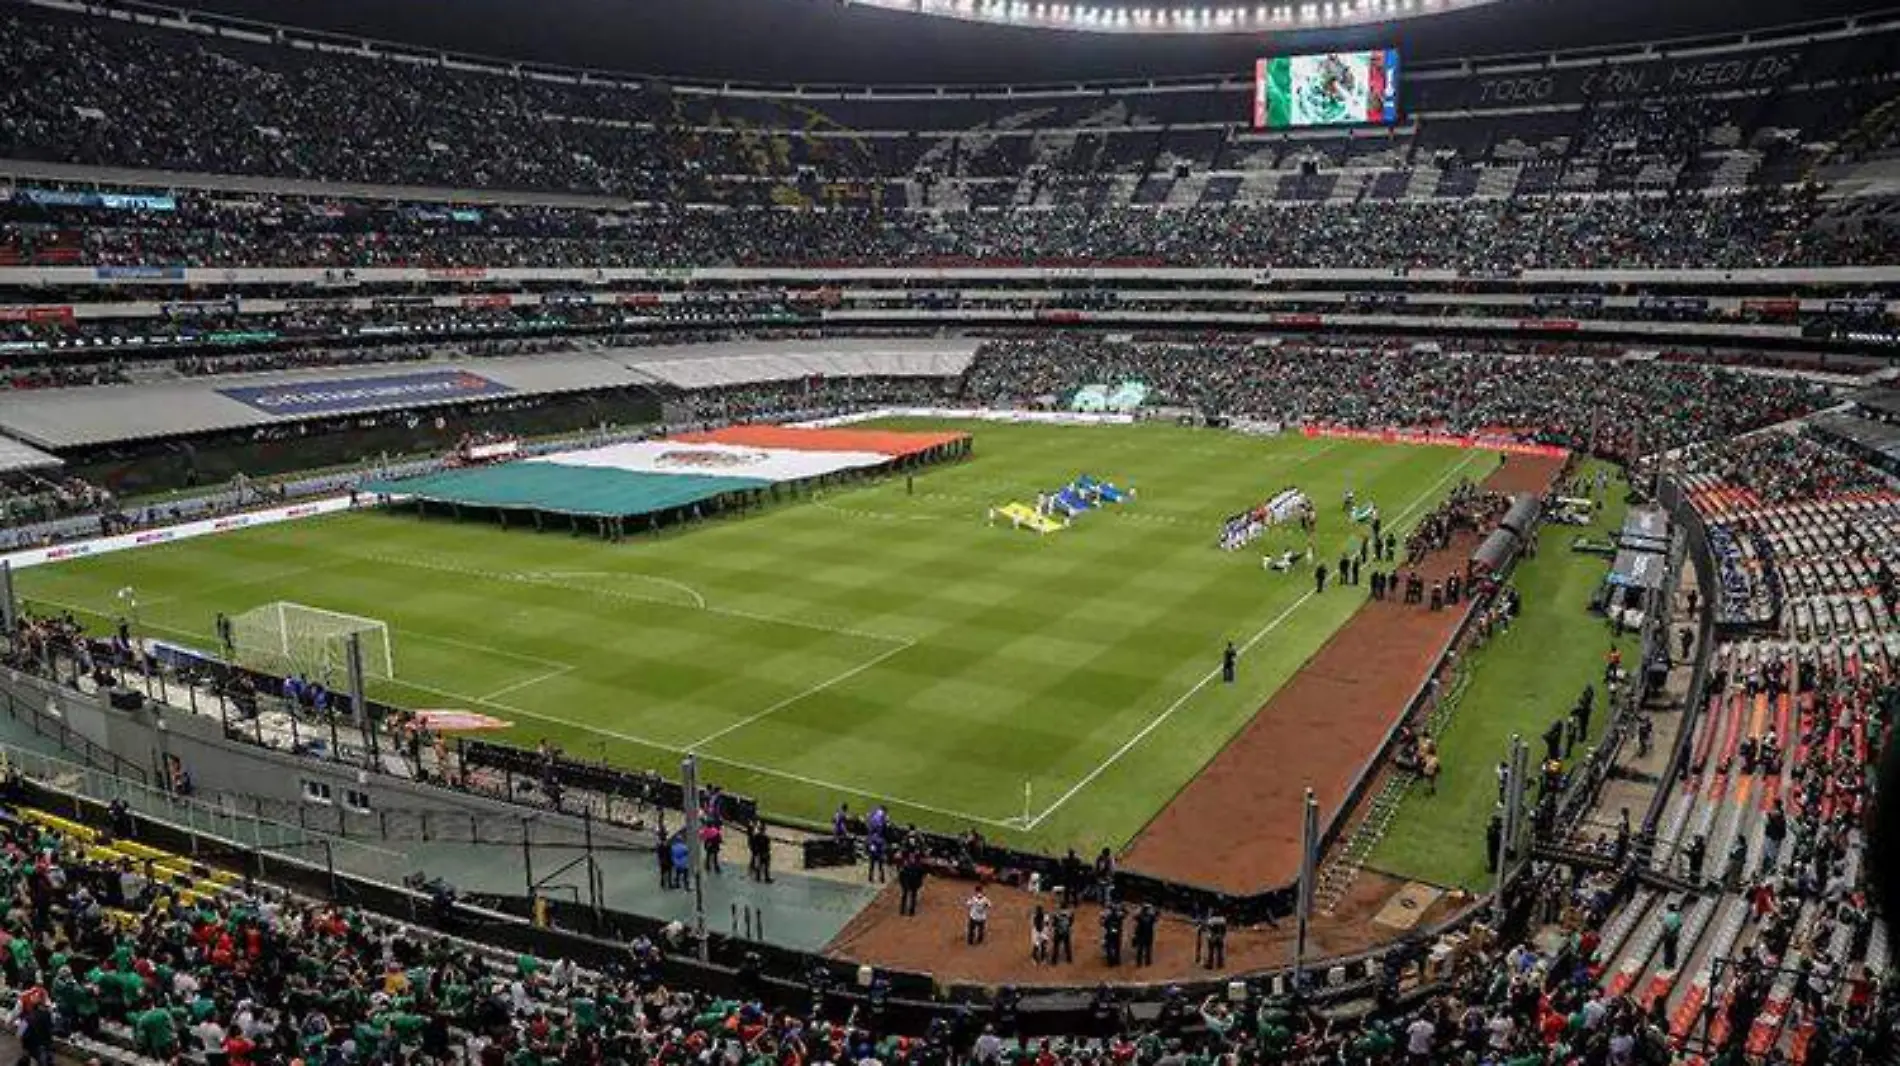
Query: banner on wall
[
  {"x": 338, "y": 396},
  {"x": 1426, "y": 436},
  {"x": 146, "y": 538},
  {"x": 56, "y": 313}
]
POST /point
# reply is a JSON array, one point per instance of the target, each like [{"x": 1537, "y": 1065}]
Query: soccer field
[{"x": 870, "y": 645}]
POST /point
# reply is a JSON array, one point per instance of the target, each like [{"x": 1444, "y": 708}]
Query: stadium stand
[
  {"x": 1764, "y": 940},
  {"x": 1778, "y": 226},
  {"x": 143, "y": 955},
  {"x": 1676, "y": 254}
]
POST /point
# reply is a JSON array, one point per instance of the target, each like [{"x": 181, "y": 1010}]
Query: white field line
[
  {"x": 767, "y": 771},
  {"x": 469, "y": 645},
  {"x": 553, "y": 576},
  {"x": 1155, "y": 722},
  {"x": 555, "y": 669},
  {"x": 545, "y": 675},
  {"x": 1436, "y": 485},
  {"x": 849, "y": 790},
  {"x": 700, "y": 603},
  {"x": 738, "y": 764},
  {"x": 219, "y": 586},
  {"x": 495, "y": 704},
  {"x": 97, "y": 613},
  {"x": 876, "y": 516},
  {"x": 789, "y": 700},
  {"x": 1330, "y": 445}
]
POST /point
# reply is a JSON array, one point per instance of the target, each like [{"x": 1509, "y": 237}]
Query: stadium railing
[
  {"x": 360, "y": 871},
  {"x": 61, "y": 733},
  {"x": 1675, "y": 500}
]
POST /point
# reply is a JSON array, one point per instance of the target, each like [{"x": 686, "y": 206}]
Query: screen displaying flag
[{"x": 1328, "y": 89}]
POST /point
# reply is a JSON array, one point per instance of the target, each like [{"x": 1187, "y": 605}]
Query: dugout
[
  {"x": 1645, "y": 529},
  {"x": 1523, "y": 514},
  {"x": 1496, "y": 553}
]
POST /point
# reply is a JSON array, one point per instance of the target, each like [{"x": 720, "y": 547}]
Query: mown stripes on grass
[{"x": 873, "y": 643}]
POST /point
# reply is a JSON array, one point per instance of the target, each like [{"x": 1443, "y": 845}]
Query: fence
[
  {"x": 903, "y": 1002},
  {"x": 75, "y": 789},
  {"x": 1675, "y": 499},
  {"x": 56, "y": 729}
]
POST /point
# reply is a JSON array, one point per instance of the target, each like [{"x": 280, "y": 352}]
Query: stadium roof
[
  {"x": 104, "y": 414},
  {"x": 16, "y": 456},
  {"x": 825, "y": 42},
  {"x": 1884, "y": 400}
]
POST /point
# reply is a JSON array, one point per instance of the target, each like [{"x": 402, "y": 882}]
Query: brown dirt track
[{"x": 1236, "y": 826}]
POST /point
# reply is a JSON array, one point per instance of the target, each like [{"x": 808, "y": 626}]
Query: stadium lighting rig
[{"x": 1215, "y": 18}]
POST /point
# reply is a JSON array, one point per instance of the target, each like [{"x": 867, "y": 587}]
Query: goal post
[{"x": 294, "y": 638}]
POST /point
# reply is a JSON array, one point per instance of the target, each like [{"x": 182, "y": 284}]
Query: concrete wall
[{"x": 245, "y": 778}]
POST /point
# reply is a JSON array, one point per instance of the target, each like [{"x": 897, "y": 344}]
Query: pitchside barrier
[
  {"x": 949, "y": 854},
  {"x": 1331, "y": 978},
  {"x": 1674, "y": 499},
  {"x": 145, "y": 538},
  {"x": 789, "y": 970},
  {"x": 598, "y": 939}
]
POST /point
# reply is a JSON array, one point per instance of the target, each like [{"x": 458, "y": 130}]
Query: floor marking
[
  {"x": 1155, "y": 723},
  {"x": 737, "y": 764},
  {"x": 789, "y": 700},
  {"x": 470, "y": 645},
  {"x": 547, "y": 675},
  {"x": 507, "y": 708}
]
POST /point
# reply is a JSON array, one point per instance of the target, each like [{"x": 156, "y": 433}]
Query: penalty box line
[
  {"x": 1155, "y": 723},
  {"x": 788, "y": 701}
]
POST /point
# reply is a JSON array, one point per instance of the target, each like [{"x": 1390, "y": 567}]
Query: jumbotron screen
[{"x": 1329, "y": 89}]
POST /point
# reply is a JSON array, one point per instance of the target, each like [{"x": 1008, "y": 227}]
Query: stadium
[{"x": 945, "y": 532}]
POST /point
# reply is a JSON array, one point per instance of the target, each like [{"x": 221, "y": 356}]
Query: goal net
[{"x": 291, "y": 638}]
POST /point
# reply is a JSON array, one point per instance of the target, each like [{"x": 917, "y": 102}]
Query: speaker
[{"x": 126, "y": 699}]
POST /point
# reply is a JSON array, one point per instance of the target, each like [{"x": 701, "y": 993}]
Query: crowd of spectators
[
  {"x": 64, "y": 375},
  {"x": 298, "y": 359},
  {"x": 91, "y": 92},
  {"x": 103, "y": 947},
  {"x": 1773, "y": 227},
  {"x": 105, "y": 950},
  {"x": 29, "y": 497},
  {"x": 1801, "y": 877},
  {"x": 1468, "y": 508},
  {"x": 1777, "y": 468},
  {"x": 114, "y": 93},
  {"x": 812, "y": 396},
  {"x": 1611, "y": 406},
  {"x": 96, "y": 350}
]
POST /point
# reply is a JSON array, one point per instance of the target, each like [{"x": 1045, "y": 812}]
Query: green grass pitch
[
  {"x": 871, "y": 645},
  {"x": 1518, "y": 683}
]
